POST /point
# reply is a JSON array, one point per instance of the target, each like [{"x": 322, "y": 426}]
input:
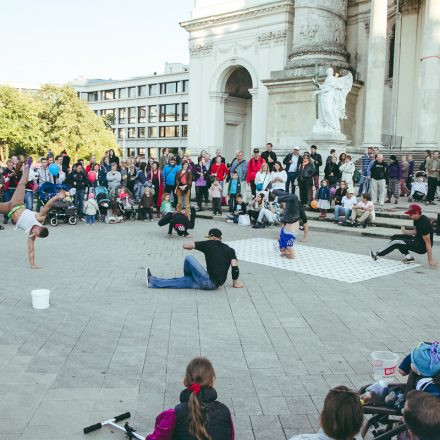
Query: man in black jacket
[
  {"x": 317, "y": 162},
  {"x": 78, "y": 179},
  {"x": 292, "y": 162},
  {"x": 379, "y": 177},
  {"x": 269, "y": 156}
]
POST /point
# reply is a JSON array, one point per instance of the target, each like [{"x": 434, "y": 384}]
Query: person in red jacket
[
  {"x": 219, "y": 170},
  {"x": 254, "y": 166}
]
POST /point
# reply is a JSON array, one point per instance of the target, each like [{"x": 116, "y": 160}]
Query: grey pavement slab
[{"x": 109, "y": 345}]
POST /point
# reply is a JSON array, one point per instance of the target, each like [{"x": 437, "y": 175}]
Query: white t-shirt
[
  {"x": 27, "y": 220},
  {"x": 348, "y": 203},
  {"x": 278, "y": 175},
  {"x": 366, "y": 206}
]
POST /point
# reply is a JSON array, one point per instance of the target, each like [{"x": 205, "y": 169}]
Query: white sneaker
[
  {"x": 147, "y": 276},
  {"x": 230, "y": 221}
]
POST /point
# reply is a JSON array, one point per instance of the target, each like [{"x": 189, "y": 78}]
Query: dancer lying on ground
[
  {"x": 29, "y": 221},
  {"x": 178, "y": 221},
  {"x": 219, "y": 257},
  {"x": 198, "y": 415}
]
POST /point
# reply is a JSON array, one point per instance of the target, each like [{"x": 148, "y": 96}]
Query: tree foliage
[{"x": 53, "y": 118}]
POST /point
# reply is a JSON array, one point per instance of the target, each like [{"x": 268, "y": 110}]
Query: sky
[{"x": 58, "y": 41}]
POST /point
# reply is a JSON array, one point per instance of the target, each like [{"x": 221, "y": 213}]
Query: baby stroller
[
  {"x": 62, "y": 209},
  {"x": 102, "y": 198},
  {"x": 127, "y": 203},
  {"x": 419, "y": 187}
]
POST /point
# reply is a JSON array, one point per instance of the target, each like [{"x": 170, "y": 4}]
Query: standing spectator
[
  {"x": 156, "y": 180},
  {"x": 43, "y": 174},
  {"x": 363, "y": 212},
  {"x": 200, "y": 174},
  {"x": 146, "y": 205},
  {"x": 169, "y": 174},
  {"x": 114, "y": 177},
  {"x": 103, "y": 170},
  {"x": 394, "y": 178},
  {"x": 218, "y": 153},
  {"x": 113, "y": 158},
  {"x": 215, "y": 191},
  {"x": 347, "y": 170},
  {"x": 141, "y": 180},
  {"x": 163, "y": 158},
  {"x": 124, "y": 172},
  {"x": 10, "y": 178},
  {"x": 278, "y": 176},
  {"x": 262, "y": 178},
  {"x": 92, "y": 162},
  {"x": 90, "y": 209},
  {"x": 305, "y": 178},
  {"x": 131, "y": 175},
  {"x": 183, "y": 187},
  {"x": 61, "y": 174},
  {"x": 331, "y": 171},
  {"x": 78, "y": 180},
  {"x": 219, "y": 170},
  {"x": 342, "y": 157},
  {"x": 364, "y": 183},
  {"x": 426, "y": 158},
  {"x": 233, "y": 189},
  {"x": 346, "y": 206},
  {"x": 330, "y": 156},
  {"x": 253, "y": 167},
  {"x": 404, "y": 190},
  {"x": 292, "y": 162},
  {"x": 317, "y": 162},
  {"x": 323, "y": 196},
  {"x": 379, "y": 176},
  {"x": 66, "y": 161},
  {"x": 411, "y": 170},
  {"x": 433, "y": 171},
  {"x": 269, "y": 156},
  {"x": 240, "y": 165}
]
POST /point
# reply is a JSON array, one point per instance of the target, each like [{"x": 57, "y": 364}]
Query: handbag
[
  {"x": 260, "y": 186},
  {"x": 356, "y": 176},
  {"x": 244, "y": 220}
]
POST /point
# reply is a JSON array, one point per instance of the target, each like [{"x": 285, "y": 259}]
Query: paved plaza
[{"x": 109, "y": 345}]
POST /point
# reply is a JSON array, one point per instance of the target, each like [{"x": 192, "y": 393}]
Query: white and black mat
[{"x": 320, "y": 262}]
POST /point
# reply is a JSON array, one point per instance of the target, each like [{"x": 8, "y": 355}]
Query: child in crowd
[
  {"x": 146, "y": 205},
  {"x": 90, "y": 209},
  {"x": 424, "y": 361},
  {"x": 114, "y": 214},
  {"x": 323, "y": 196},
  {"x": 237, "y": 208},
  {"x": 216, "y": 197},
  {"x": 340, "y": 192},
  {"x": 233, "y": 189},
  {"x": 198, "y": 415},
  {"x": 166, "y": 205}
]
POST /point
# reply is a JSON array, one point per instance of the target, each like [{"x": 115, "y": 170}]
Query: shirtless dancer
[{"x": 31, "y": 222}]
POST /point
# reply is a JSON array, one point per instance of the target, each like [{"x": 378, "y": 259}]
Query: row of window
[
  {"x": 167, "y": 88},
  {"x": 167, "y": 113},
  {"x": 170, "y": 131}
]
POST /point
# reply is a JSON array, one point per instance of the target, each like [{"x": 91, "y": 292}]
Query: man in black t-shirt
[
  {"x": 418, "y": 240},
  {"x": 219, "y": 257},
  {"x": 269, "y": 156}
]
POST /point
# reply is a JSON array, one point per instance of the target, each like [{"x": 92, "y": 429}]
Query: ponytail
[{"x": 197, "y": 418}]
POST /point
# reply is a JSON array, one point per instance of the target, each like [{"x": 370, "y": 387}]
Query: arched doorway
[{"x": 238, "y": 113}]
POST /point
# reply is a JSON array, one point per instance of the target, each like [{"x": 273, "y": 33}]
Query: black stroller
[{"x": 62, "y": 210}]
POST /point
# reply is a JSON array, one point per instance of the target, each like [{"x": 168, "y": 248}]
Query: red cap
[{"x": 414, "y": 209}]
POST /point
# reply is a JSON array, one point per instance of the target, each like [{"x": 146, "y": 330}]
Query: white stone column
[
  {"x": 377, "y": 50},
  {"x": 259, "y": 118},
  {"x": 217, "y": 127},
  {"x": 429, "y": 74}
]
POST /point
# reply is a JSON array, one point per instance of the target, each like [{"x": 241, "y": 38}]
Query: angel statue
[{"x": 331, "y": 101}]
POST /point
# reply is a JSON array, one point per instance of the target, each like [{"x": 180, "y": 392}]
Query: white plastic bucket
[
  {"x": 384, "y": 364},
  {"x": 40, "y": 298}
]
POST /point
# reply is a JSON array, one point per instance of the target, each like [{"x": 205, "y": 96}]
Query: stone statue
[{"x": 331, "y": 102}]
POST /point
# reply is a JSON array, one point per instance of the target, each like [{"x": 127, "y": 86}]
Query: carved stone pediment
[
  {"x": 409, "y": 6},
  {"x": 197, "y": 50}
]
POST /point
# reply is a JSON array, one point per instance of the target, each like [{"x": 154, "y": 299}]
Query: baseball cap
[
  {"x": 214, "y": 233},
  {"x": 256, "y": 150},
  {"x": 350, "y": 191},
  {"x": 296, "y": 148},
  {"x": 413, "y": 209}
]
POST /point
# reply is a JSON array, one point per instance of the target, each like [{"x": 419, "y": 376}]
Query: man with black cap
[
  {"x": 292, "y": 162},
  {"x": 219, "y": 257},
  {"x": 418, "y": 240}
]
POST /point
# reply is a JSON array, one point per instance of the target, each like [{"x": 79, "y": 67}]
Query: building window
[
  {"x": 184, "y": 131},
  {"x": 168, "y": 113},
  {"x": 141, "y": 132},
  {"x": 131, "y": 132},
  {"x": 168, "y": 88},
  {"x": 96, "y": 112},
  {"x": 185, "y": 86},
  {"x": 153, "y": 89},
  {"x": 122, "y": 117},
  {"x": 141, "y": 114},
  {"x": 123, "y": 93},
  {"x": 169, "y": 132},
  {"x": 142, "y": 91},
  {"x": 109, "y": 114},
  {"x": 108, "y": 95},
  {"x": 152, "y": 113},
  {"x": 132, "y": 115},
  {"x": 185, "y": 111},
  {"x": 121, "y": 133},
  {"x": 132, "y": 92},
  {"x": 152, "y": 132},
  {"x": 92, "y": 96}
]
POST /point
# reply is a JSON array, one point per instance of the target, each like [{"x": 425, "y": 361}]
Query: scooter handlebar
[
  {"x": 92, "y": 428},
  {"x": 99, "y": 425},
  {"x": 126, "y": 415}
]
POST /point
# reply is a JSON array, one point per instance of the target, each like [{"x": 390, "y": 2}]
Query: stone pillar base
[{"x": 325, "y": 141}]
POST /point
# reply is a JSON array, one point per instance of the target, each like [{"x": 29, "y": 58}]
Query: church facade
[{"x": 252, "y": 64}]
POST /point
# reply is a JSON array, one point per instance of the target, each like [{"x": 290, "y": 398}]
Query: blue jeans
[
  {"x": 90, "y": 219},
  {"x": 364, "y": 185},
  {"x": 339, "y": 210},
  {"x": 195, "y": 277},
  {"x": 79, "y": 202},
  {"x": 29, "y": 199}
]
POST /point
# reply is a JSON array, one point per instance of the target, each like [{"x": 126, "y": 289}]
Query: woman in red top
[
  {"x": 183, "y": 187},
  {"x": 155, "y": 177},
  {"x": 219, "y": 170}
]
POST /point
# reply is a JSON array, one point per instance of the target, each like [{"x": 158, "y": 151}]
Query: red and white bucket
[{"x": 384, "y": 364}]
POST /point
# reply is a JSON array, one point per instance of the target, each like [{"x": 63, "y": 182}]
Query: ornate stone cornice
[
  {"x": 407, "y": 7},
  {"x": 318, "y": 50},
  {"x": 268, "y": 38},
  {"x": 253, "y": 12},
  {"x": 198, "y": 50},
  {"x": 218, "y": 96}
]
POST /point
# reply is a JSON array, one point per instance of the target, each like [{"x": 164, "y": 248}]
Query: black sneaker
[
  {"x": 148, "y": 273},
  {"x": 408, "y": 260},
  {"x": 374, "y": 255}
]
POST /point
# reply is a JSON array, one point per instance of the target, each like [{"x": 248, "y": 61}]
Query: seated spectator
[
  {"x": 422, "y": 415},
  {"x": 255, "y": 207},
  {"x": 341, "y": 417},
  {"x": 340, "y": 192},
  {"x": 114, "y": 214},
  {"x": 237, "y": 208},
  {"x": 363, "y": 212},
  {"x": 346, "y": 206},
  {"x": 166, "y": 206}
]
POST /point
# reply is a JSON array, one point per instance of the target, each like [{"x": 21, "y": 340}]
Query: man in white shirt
[
  {"x": 363, "y": 212},
  {"x": 346, "y": 207},
  {"x": 292, "y": 162}
]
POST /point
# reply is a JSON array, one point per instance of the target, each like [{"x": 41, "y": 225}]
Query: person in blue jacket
[{"x": 169, "y": 174}]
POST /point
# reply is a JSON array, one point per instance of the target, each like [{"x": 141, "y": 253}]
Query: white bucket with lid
[
  {"x": 40, "y": 298},
  {"x": 384, "y": 364}
]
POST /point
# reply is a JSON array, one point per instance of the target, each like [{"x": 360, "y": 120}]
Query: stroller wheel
[
  {"x": 54, "y": 221},
  {"x": 133, "y": 216},
  {"x": 73, "y": 220}
]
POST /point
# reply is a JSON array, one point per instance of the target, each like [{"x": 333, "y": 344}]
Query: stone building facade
[{"x": 252, "y": 63}]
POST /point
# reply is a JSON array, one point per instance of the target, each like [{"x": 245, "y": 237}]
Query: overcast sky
[{"x": 61, "y": 40}]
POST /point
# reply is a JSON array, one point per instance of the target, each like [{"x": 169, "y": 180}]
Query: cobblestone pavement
[{"x": 108, "y": 345}]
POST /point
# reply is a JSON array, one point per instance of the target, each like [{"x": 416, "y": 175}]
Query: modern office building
[{"x": 146, "y": 113}]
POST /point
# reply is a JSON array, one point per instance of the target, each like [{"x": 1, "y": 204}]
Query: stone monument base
[{"x": 325, "y": 141}]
